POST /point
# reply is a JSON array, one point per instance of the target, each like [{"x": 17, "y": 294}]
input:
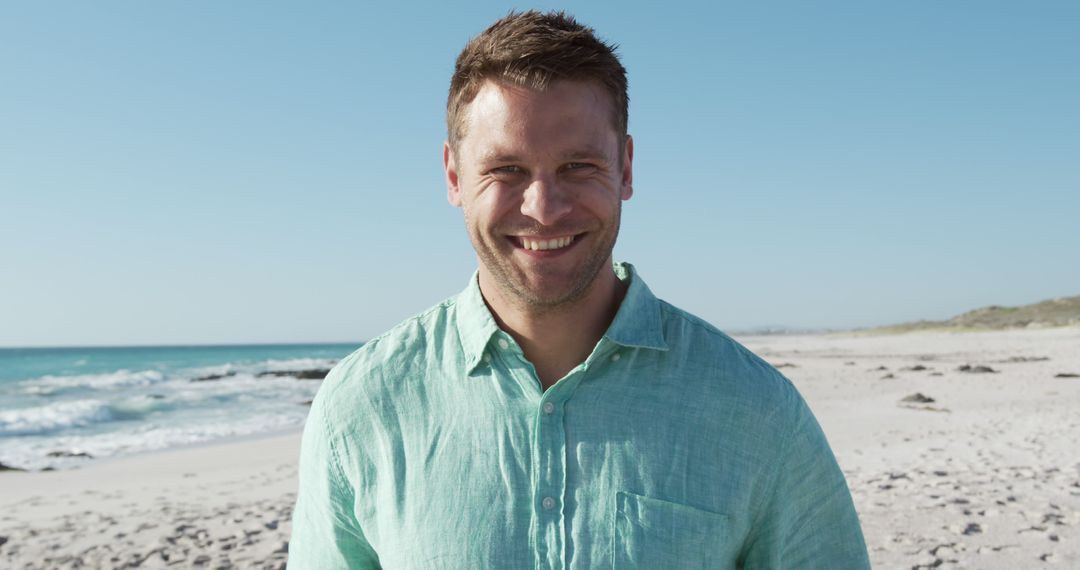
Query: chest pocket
[{"x": 651, "y": 533}]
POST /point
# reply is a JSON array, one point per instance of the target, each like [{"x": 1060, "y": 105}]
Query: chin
[{"x": 548, "y": 293}]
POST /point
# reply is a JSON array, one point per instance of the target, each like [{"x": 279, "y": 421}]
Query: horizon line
[{"x": 182, "y": 345}]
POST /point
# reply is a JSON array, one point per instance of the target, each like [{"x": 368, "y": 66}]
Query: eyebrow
[
  {"x": 577, "y": 154},
  {"x": 496, "y": 156},
  {"x": 585, "y": 153}
]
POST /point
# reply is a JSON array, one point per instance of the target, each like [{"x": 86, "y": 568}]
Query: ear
[
  {"x": 453, "y": 188},
  {"x": 628, "y": 169}
]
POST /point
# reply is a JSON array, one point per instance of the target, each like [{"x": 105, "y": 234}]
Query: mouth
[{"x": 552, "y": 244}]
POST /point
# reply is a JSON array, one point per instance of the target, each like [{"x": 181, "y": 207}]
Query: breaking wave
[{"x": 54, "y": 417}]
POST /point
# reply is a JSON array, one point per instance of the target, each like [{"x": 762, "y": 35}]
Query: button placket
[{"x": 551, "y": 482}]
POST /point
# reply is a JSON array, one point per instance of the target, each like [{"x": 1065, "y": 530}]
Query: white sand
[
  {"x": 220, "y": 506},
  {"x": 986, "y": 476}
]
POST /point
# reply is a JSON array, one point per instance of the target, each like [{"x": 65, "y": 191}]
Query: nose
[{"x": 545, "y": 201}]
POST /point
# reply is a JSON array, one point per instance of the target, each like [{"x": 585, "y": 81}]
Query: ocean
[{"x": 61, "y": 408}]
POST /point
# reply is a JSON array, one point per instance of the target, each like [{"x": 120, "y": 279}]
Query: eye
[
  {"x": 505, "y": 171},
  {"x": 577, "y": 167}
]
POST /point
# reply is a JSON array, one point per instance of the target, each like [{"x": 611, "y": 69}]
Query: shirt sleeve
[
  {"x": 809, "y": 519},
  {"x": 325, "y": 532}
]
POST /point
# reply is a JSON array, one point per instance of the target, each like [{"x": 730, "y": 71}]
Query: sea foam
[
  {"x": 53, "y": 417},
  {"x": 47, "y": 385},
  {"x": 152, "y": 398}
]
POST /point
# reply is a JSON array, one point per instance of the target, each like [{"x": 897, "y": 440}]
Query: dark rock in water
[
  {"x": 916, "y": 368},
  {"x": 849, "y": 363},
  {"x": 888, "y": 376},
  {"x": 977, "y": 369},
  {"x": 1066, "y": 375},
  {"x": 306, "y": 402},
  {"x": 156, "y": 396},
  {"x": 784, "y": 365},
  {"x": 3, "y": 540},
  {"x": 972, "y": 528},
  {"x": 9, "y": 468},
  {"x": 313, "y": 374},
  {"x": 936, "y": 374},
  {"x": 880, "y": 368},
  {"x": 69, "y": 454},
  {"x": 1025, "y": 359},
  {"x": 49, "y": 469},
  {"x": 917, "y": 398},
  {"x": 212, "y": 377}
]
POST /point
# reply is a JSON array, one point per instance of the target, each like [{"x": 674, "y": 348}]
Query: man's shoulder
[
  {"x": 724, "y": 361},
  {"x": 394, "y": 353}
]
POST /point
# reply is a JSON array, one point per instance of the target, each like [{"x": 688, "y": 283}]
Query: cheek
[
  {"x": 494, "y": 207},
  {"x": 478, "y": 219},
  {"x": 600, "y": 202}
]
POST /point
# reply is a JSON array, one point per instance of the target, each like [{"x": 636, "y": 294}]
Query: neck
[{"x": 557, "y": 339}]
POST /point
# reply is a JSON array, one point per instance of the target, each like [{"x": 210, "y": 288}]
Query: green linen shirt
[{"x": 671, "y": 446}]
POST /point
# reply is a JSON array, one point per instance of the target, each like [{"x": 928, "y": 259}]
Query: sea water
[{"x": 63, "y": 407}]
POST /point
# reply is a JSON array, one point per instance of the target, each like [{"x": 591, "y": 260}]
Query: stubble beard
[{"x": 511, "y": 279}]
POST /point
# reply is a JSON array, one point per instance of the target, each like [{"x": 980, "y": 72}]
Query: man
[{"x": 555, "y": 414}]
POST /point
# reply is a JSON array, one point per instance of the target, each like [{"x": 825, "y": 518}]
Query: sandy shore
[
  {"x": 987, "y": 475},
  {"x": 218, "y": 506}
]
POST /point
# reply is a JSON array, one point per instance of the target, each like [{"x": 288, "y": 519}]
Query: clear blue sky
[{"x": 205, "y": 172}]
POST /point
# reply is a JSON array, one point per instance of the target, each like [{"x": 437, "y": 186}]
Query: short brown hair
[{"x": 532, "y": 49}]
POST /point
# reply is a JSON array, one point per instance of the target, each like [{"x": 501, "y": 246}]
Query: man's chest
[{"x": 583, "y": 481}]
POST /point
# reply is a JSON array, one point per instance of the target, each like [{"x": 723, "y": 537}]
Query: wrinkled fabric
[{"x": 671, "y": 446}]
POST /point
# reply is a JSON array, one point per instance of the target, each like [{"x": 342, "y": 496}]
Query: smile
[{"x": 545, "y": 244}]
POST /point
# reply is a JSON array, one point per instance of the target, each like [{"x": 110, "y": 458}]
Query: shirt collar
[
  {"x": 637, "y": 323},
  {"x": 475, "y": 323}
]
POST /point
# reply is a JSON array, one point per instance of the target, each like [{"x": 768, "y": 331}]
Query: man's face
[{"x": 540, "y": 179}]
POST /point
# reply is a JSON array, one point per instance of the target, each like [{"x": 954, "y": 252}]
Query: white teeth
[{"x": 541, "y": 245}]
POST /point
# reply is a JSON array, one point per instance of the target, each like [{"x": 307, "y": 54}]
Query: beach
[
  {"x": 960, "y": 450},
  {"x": 213, "y": 506},
  {"x": 987, "y": 475}
]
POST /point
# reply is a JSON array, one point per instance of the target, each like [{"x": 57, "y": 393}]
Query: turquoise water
[{"x": 57, "y": 404}]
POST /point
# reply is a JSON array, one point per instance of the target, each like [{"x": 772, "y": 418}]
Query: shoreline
[
  {"x": 98, "y": 461},
  {"x": 162, "y": 466}
]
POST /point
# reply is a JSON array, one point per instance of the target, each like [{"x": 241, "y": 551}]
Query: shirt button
[
  {"x": 548, "y": 503},
  {"x": 549, "y": 407},
  {"x": 615, "y": 357},
  {"x": 503, "y": 344},
  {"x": 487, "y": 358}
]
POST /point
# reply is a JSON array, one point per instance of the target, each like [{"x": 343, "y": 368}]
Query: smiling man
[
  {"x": 555, "y": 414},
  {"x": 540, "y": 175}
]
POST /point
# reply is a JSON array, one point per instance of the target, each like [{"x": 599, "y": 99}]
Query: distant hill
[{"x": 1064, "y": 311}]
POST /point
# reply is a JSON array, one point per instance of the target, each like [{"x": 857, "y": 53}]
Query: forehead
[{"x": 559, "y": 119}]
